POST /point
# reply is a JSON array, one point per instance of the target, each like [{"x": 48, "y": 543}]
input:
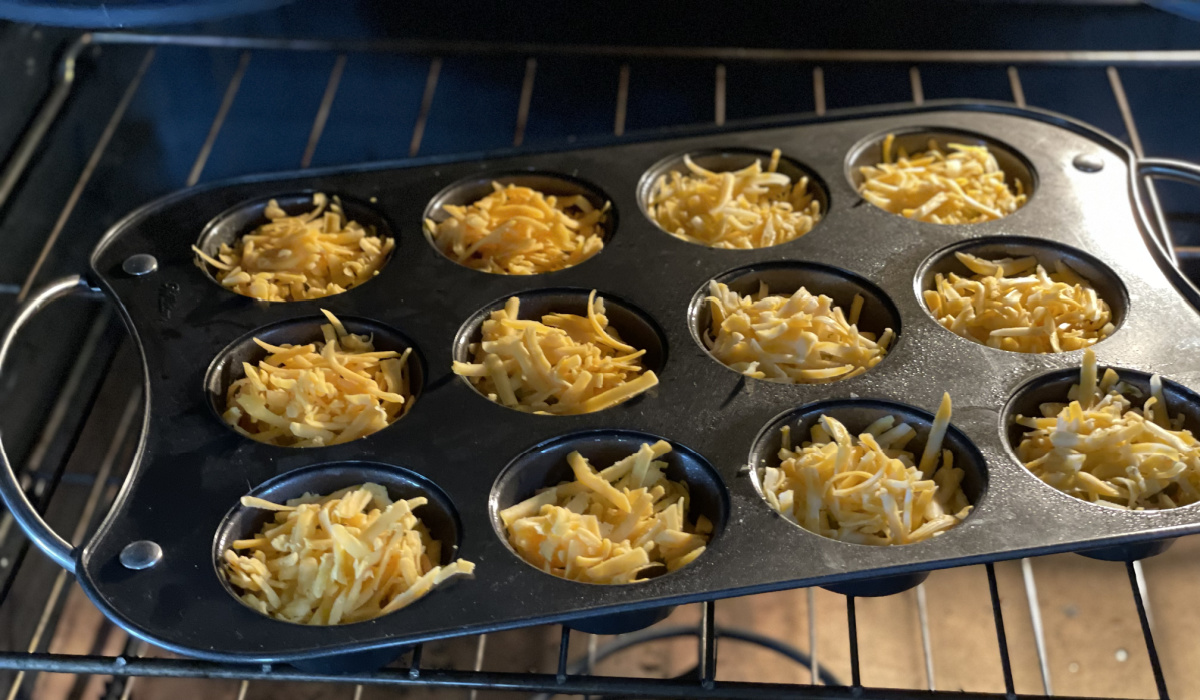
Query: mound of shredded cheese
[
  {"x": 1103, "y": 449},
  {"x": 869, "y": 490},
  {"x": 624, "y": 523},
  {"x": 747, "y": 208},
  {"x": 347, "y": 557},
  {"x": 564, "y": 364},
  {"x": 320, "y": 393},
  {"x": 965, "y": 186},
  {"x": 308, "y": 256},
  {"x": 798, "y": 339},
  {"x": 520, "y": 231},
  {"x": 1016, "y": 305}
]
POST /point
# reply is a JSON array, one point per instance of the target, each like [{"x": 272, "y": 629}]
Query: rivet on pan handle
[
  {"x": 22, "y": 510},
  {"x": 1180, "y": 171}
]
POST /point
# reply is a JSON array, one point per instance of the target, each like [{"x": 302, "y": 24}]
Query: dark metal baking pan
[{"x": 191, "y": 468}]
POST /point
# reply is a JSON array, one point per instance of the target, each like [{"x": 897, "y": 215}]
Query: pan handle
[
  {"x": 14, "y": 497},
  {"x": 1147, "y": 207}
]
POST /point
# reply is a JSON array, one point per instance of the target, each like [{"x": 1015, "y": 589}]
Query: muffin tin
[{"x": 474, "y": 456}]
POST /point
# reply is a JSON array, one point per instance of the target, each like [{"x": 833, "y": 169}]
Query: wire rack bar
[
  {"x": 1155, "y": 665},
  {"x": 491, "y": 680},
  {"x": 1001, "y": 636},
  {"x": 84, "y": 177}
]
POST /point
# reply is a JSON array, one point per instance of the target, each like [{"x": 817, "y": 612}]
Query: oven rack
[{"x": 97, "y": 404}]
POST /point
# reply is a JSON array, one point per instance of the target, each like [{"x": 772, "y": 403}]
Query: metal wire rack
[{"x": 87, "y": 434}]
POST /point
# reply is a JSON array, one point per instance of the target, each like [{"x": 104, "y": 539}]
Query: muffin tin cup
[{"x": 191, "y": 468}]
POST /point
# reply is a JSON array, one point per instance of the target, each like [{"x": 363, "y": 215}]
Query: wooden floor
[{"x": 1094, "y": 644}]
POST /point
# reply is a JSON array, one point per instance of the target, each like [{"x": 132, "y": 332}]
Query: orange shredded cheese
[
  {"x": 621, "y": 524},
  {"x": 1016, "y": 305},
  {"x": 797, "y": 339},
  {"x": 292, "y": 258},
  {"x": 964, "y": 186},
  {"x": 869, "y": 489},
  {"x": 347, "y": 557},
  {"x": 563, "y": 364},
  {"x": 1101, "y": 448},
  {"x": 520, "y": 231},
  {"x": 320, "y": 393},
  {"x": 747, "y": 208}
]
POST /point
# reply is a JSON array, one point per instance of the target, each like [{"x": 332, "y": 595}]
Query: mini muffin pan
[{"x": 473, "y": 457}]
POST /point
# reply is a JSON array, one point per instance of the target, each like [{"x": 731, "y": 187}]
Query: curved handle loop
[
  {"x": 1168, "y": 169},
  {"x": 14, "y": 497}
]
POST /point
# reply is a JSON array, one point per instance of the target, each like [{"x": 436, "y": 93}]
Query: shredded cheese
[
  {"x": 1101, "y": 448},
  {"x": 564, "y": 364},
  {"x": 320, "y": 393},
  {"x": 964, "y": 186},
  {"x": 292, "y": 258},
  {"x": 617, "y": 525},
  {"x": 747, "y": 208},
  {"x": 520, "y": 231},
  {"x": 799, "y": 339},
  {"x": 1016, "y": 305},
  {"x": 347, "y": 557},
  {"x": 869, "y": 489}
]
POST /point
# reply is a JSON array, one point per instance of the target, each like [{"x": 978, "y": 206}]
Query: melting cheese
[
  {"x": 964, "y": 186},
  {"x": 1102, "y": 448},
  {"x": 1016, "y": 305},
  {"x": 617, "y": 525},
  {"x": 291, "y": 258},
  {"x": 520, "y": 231},
  {"x": 869, "y": 489},
  {"x": 563, "y": 364},
  {"x": 747, "y": 208},
  {"x": 320, "y": 393},
  {"x": 798, "y": 339},
  {"x": 347, "y": 557}
]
